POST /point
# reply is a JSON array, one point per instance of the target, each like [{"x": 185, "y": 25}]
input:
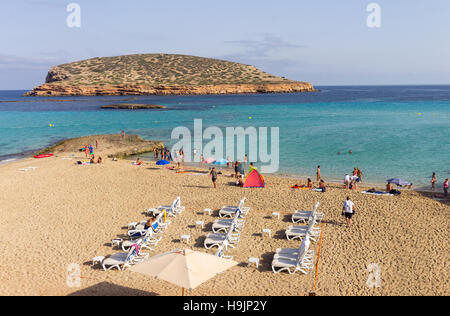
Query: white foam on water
[{"x": 2, "y": 162}]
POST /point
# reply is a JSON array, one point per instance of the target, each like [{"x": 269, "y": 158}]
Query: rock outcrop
[
  {"x": 112, "y": 145},
  {"x": 161, "y": 74},
  {"x": 126, "y": 106},
  {"x": 67, "y": 90}
]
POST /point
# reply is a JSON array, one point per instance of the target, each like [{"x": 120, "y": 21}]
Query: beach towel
[
  {"x": 377, "y": 193},
  {"x": 136, "y": 247}
]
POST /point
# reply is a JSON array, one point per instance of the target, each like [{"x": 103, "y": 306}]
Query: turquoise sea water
[{"x": 392, "y": 131}]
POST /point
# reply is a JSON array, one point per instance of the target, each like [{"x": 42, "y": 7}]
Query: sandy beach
[{"x": 62, "y": 213}]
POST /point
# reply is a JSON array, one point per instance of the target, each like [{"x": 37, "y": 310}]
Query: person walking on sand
[
  {"x": 318, "y": 173},
  {"x": 348, "y": 210},
  {"x": 433, "y": 181},
  {"x": 359, "y": 174},
  {"x": 445, "y": 187},
  {"x": 213, "y": 174},
  {"x": 96, "y": 144}
]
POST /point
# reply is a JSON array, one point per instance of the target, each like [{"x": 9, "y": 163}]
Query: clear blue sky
[{"x": 324, "y": 42}]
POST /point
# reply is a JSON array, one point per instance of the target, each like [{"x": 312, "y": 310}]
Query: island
[
  {"x": 126, "y": 106},
  {"x": 161, "y": 74}
]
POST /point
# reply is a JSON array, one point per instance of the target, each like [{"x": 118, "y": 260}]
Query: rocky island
[
  {"x": 126, "y": 106},
  {"x": 161, "y": 74}
]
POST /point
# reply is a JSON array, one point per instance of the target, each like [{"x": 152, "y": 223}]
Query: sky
[{"x": 325, "y": 42}]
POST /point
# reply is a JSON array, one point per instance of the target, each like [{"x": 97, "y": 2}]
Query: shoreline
[{"x": 29, "y": 154}]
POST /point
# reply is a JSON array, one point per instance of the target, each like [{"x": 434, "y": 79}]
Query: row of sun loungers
[
  {"x": 226, "y": 232},
  {"x": 302, "y": 258},
  {"x": 141, "y": 238}
]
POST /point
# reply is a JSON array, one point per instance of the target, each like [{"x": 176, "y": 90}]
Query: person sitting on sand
[
  {"x": 322, "y": 186},
  {"x": 100, "y": 160},
  {"x": 92, "y": 161},
  {"x": 309, "y": 183},
  {"x": 389, "y": 187},
  {"x": 240, "y": 182},
  {"x": 139, "y": 162}
]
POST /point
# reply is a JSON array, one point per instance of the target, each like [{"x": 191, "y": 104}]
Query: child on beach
[{"x": 139, "y": 162}]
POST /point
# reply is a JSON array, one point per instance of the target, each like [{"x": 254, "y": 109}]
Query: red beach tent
[{"x": 254, "y": 180}]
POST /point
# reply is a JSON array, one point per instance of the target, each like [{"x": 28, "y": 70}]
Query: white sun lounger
[
  {"x": 149, "y": 241},
  {"x": 122, "y": 260},
  {"x": 305, "y": 216},
  {"x": 303, "y": 261},
  {"x": 223, "y": 225},
  {"x": 216, "y": 240},
  {"x": 230, "y": 211},
  {"x": 294, "y": 232}
]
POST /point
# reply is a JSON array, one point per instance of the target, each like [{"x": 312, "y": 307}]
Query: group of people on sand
[
  {"x": 444, "y": 185},
  {"x": 239, "y": 172},
  {"x": 89, "y": 152},
  {"x": 164, "y": 153},
  {"x": 351, "y": 182}
]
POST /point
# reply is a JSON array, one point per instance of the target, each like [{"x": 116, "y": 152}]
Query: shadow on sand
[{"x": 110, "y": 289}]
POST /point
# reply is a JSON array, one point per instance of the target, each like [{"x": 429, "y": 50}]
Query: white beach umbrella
[{"x": 185, "y": 268}]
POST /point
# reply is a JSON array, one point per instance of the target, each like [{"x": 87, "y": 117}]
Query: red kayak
[{"x": 43, "y": 156}]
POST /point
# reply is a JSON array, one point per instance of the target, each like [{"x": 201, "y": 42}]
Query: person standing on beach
[
  {"x": 236, "y": 169},
  {"x": 245, "y": 159},
  {"x": 359, "y": 174},
  {"x": 445, "y": 187},
  {"x": 123, "y": 134},
  {"x": 213, "y": 174},
  {"x": 96, "y": 144},
  {"x": 318, "y": 173},
  {"x": 433, "y": 181},
  {"x": 348, "y": 211},
  {"x": 86, "y": 151},
  {"x": 91, "y": 150}
]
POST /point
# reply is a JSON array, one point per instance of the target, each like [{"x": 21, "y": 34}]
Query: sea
[{"x": 392, "y": 131}]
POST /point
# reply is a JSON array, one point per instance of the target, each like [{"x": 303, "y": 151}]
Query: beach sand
[{"x": 63, "y": 213}]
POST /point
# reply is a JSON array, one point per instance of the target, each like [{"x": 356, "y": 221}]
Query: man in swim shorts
[
  {"x": 348, "y": 211},
  {"x": 213, "y": 174}
]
